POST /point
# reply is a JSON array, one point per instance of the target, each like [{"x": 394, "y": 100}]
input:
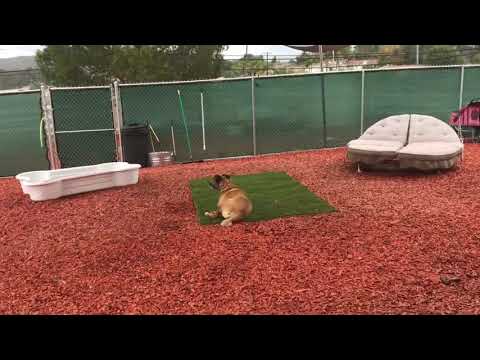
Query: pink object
[{"x": 467, "y": 116}]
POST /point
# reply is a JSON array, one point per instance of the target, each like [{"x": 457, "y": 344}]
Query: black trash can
[{"x": 136, "y": 144}]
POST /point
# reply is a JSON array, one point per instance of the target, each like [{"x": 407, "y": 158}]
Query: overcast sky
[
  {"x": 261, "y": 49},
  {"x": 7, "y": 51}
]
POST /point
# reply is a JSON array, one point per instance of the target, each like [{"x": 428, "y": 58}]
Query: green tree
[
  {"x": 98, "y": 64},
  {"x": 396, "y": 55},
  {"x": 475, "y": 59},
  {"x": 306, "y": 59},
  {"x": 408, "y": 54},
  {"x": 345, "y": 52},
  {"x": 442, "y": 55},
  {"x": 246, "y": 66},
  {"x": 363, "y": 51},
  {"x": 470, "y": 53}
]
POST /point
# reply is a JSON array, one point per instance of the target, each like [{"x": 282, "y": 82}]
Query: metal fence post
[
  {"x": 254, "y": 125},
  {"x": 362, "y": 103},
  {"x": 117, "y": 119},
  {"x": 460, "y": 97},
  {"x": 49, "y": 122},
  {"x": 324, "y": 111},
  {"x": 203, "y": 122}
]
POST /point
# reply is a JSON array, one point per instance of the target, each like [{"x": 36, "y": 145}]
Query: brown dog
[{"x": 233, "y": 204}]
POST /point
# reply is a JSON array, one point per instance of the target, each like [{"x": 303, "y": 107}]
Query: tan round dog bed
[{"x": 407, "y": 141}]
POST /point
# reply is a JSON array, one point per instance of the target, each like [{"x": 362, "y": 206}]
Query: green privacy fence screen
[
  {"x": 289, "y": 113},
  {"x": 433, "y": 92},
  {"x": 471, "y": 85},
  {"x": 20, "y": 149},
  {"x": 84, "y": 126},
  {"x": 342, "y": 107},
  {"x": 228, "y": 118}
]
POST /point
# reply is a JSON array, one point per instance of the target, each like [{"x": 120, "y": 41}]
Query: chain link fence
[
  {"x": 228, "y": 118},
  {"x": 218, "y": 117},
  {"x": 83, "y": 125}
]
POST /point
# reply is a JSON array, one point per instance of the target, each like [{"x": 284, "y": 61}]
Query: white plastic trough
[{"x": 52, "y": 184}]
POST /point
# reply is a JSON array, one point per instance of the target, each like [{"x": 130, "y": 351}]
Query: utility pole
[
  {"x": 418, "y": 54},
  {"x": 245, "y": 58},
  {"x": 267, "y": 63},
  {"x": 320, "y": 51}
]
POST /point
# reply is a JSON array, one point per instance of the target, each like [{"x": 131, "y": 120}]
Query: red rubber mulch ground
[{"x": 398, "y": 244}]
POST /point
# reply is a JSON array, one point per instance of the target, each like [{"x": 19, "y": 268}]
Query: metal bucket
[{"x": 160, "y": 158}]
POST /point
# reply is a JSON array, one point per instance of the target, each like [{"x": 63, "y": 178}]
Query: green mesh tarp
[
  {"x": 289, "y": 110},
  {"x": 421, "y": 91},
  {"x": 342, "y": 107},
  {"x": 151, "y": 104},
  {"x": 20, "y": 134},
  {"x": 84, "y": 109},
  {"x": 227, "y": 116},
  {"x": 288, "y": 113},
  {"x": 471, "y": 85}
]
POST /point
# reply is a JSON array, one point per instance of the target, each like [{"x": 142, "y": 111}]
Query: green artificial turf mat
[{"x": 273, "y": 195}]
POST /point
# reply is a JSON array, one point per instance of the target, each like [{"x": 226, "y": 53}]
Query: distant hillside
[
  {"x": 18, "y": 63},
  {"x": 14, "y": 73}
]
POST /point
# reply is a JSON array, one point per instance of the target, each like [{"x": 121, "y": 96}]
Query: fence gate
[{"x": 85, "y": 130}]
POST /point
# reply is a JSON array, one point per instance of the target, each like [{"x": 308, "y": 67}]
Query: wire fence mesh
[
  {"x": 84, "y": 126},
  {"x": 86, "y": 148},
  {"x": 215, "y": 118}
]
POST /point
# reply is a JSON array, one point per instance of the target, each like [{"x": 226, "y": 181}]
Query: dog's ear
[
  {"x": 217, "y": 179},
  {"x": 213, "y": 186},
  {"x": 226, "y": 176}
]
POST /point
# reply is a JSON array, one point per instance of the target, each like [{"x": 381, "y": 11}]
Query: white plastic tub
[{"x": 52, "y": 184}]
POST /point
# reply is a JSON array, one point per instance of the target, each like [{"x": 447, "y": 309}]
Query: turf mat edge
[{"x": 274, "y": 195}]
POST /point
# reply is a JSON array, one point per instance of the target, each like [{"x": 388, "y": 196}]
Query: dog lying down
[{"x": 233, "y": 204}]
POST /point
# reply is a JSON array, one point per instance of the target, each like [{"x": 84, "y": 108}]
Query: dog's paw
[{"x": 226, "y": 223}]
